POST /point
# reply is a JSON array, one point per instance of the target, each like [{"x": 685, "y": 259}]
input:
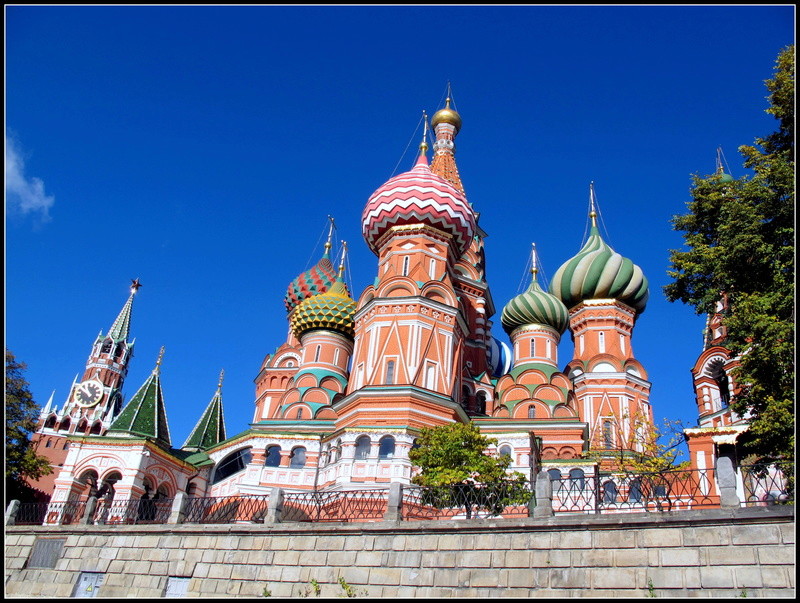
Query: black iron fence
[
  {"x": 767, "y": 484},
  {"x": 466, "y": 501},
  {"x": 247, "y": 508},
  {"x": 341, "y": 505},
  {"x": 644, "y": 492}
]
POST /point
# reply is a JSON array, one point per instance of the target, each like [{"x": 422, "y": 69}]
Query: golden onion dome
[{"x": 446, "y": 116}]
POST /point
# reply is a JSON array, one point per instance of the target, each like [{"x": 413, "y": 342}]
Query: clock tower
[{"x": 95, "y": 400}]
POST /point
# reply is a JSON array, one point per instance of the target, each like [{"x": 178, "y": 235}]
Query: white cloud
[{"x": 24, "y": 194}]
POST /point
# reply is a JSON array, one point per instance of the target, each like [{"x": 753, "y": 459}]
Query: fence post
[
  {"x": 275, "y": 506},
  {"x": 726, "y": 480},
  {"x": 544, "y": 495},
  {"x": 395, "y": 503},
  {"x": 88, "y": 514},
  {"x": 11, "y": 512},
  {"x": 177, "y": 513}
]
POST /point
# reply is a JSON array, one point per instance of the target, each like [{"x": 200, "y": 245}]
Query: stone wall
[{"x": 732, "y": 553}]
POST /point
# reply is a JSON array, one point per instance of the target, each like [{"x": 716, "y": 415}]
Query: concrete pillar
[
  {"x": 11, "y": 512},
  {"x": 177, "y": 513},
  {"x": 88, "y": 514},
  {"x": 726, "y": 480},
  {"x": 544, "y": 495},
  {"x": 275, "y": 506},
  {"x": 395, "y": 503}
]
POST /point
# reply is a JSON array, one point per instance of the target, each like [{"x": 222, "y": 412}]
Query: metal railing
[
  {"x": 64, "y": 513},
  {"x": 466, "y": 501},
  {"x": 342, "y": 505},
  {"x": 135, "y": 511},
  {"x": 248, "y": 508},
  {"x": 767, "y": 484},
  {"x": 629, "y": 493}
]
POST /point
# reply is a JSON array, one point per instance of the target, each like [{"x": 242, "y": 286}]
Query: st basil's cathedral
[{"x": 340, "y": 403}]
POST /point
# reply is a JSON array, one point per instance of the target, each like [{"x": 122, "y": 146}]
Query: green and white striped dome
[
  {"x": 535, "y": 306},
  {"x": 599, "y": 272}
]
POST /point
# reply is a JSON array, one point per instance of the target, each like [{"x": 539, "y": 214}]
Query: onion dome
[
  {"x": 535, "y": 306},
  {"x": 447, "y": 116},
  {"x": 499, "y": 356},
  {"x": 599, "y": 272},
  {"x": 418, "y": 197},
  {"x": 332, "y": 310},
  {"x": 313, "y": 281}
]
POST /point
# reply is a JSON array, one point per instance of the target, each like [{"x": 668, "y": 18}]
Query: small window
[
  {"x": 317, "y": 353},
  {"x": 601, "y": 341},
  {"x": 608, "y": 434},
  {"x": 66, "y": 445},
  {"x": 481, "y": 402},
  {"x": 533, "y": 347},
  {"x": 389, "y": 372},
  {"x": 531, "y": 412},
  {"x": 505, "y": 451},
  {"x": 432, "y": 269},
  {"x": 554, "y": 474},
  {"x": 48, "y": 443},
  {"x": 609, "y": 492},
  {"x": 273, "y": 458},
  {"x": 299, "y": 413},
  {"x": 635, "y": 491},
  {"x": 406, "y": 261},
  {"x": 362, "y": 448},
  {"x": 386, "y": 447},
  {"x": 297, "y": 459},
  {"x": 576, "y": 479}
]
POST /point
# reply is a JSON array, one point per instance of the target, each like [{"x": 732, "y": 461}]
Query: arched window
[
  {"x": 481, "y": 402},
  {"x": 609, "y": 492},
  {"x": 233, "y": 463},
  {"x": 406, "y": 261},
  {"x": 106, "y": 347},
  {"x": 51, "y": 422},
  {"x": 608, "y": 434},
  {"x": 97, "y": 427},
  {"x": 297, "y": 458},
  {"x": 634, "y": 491},
  {"x": 362, "y": 448},
  {"x": 386, "y": 447},
  {"x": 317, "y": 353},
  {"x": 716, "y": 371},
  {"x": 505, "y": 450},
  {"x": 337, "y": 452},
  {"x": 531, "y": 412},
  {"x": 601, "y": 341},
  {"x": 555, "y": 476},
  {"x": 48, "y": 443},
  {"x": 465, "y": 394},
  {"x": 533, "y": 347},
  {"x": 576, "y": 479},
  {"x": 65, "y": 424},
  {"x": 389, "y": 372},
  {"x": 273, "y": 456},
  {"x": 299, "y": 413}
]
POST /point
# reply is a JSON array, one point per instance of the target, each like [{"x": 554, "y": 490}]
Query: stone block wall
[{"x": 732, "y": 553}]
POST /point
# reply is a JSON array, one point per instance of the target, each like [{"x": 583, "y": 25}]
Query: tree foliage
[
  {"x": 458, "y": 472},
  {"x": 21, "y": 413},
  {"x": 740, "y": 240}
]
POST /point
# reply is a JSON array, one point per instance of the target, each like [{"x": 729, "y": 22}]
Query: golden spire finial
[
  {"x": 330, "y": 234},
  {"x": 534, "y": 266},
  {"x": 341, "y": 263},
  {"x": 221, "y": 377},
  {"x": 592, "y": 212},
  {"x": 423, "y": 147}
]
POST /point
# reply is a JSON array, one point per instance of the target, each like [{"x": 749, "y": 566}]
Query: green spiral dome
[
  {"x": 332, "y": 310},
  {"x": 535, "y": 306},
  {"x": 599, "y": 272}
]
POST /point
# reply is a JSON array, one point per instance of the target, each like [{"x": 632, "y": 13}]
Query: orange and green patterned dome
[
  {"x": 318, "y": 279},
  {"x": 332, "y": 310}
]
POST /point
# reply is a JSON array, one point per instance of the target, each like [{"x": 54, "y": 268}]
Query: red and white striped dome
[{"x": 418, "y": 197}]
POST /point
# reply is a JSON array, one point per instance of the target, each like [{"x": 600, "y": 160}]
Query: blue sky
[{"x": 201, "y": 148}]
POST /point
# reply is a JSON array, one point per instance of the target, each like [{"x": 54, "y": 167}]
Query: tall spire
[
  {"x": 120, "y": 330},
  {"x": 210, "y": 429},
  {"x": 592, "y": 208},
  {"x": 145, "y": 415},
  {"x": 446, "y": 123}
]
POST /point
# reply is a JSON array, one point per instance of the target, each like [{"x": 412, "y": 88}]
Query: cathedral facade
[{"x": 340, "y": 403}]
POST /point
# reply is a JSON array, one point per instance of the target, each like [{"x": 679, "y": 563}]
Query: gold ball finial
[{"x": 447, "y": 116}]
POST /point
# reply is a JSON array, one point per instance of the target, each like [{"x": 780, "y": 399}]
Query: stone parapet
[{"x": 719, "y": 552}]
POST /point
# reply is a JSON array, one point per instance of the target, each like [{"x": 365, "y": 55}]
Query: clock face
[{"x": 88, "y": 393}]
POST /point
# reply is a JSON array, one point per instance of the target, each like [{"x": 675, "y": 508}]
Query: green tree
[
  {"x": 457, "y": 472},
  {"x": 21, "y": 413},
  {"x": 740, "y": 239}
]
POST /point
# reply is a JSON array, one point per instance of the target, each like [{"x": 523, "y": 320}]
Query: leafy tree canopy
[
  {"x": 458, "y": 473},
  {"x": 740, "y": 240},
  {"x": 21, "y": 414}
]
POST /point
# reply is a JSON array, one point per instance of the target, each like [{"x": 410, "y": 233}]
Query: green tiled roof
[
  {"x": 145, "y": 415},
  {"x": 210, "y": 429}
]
